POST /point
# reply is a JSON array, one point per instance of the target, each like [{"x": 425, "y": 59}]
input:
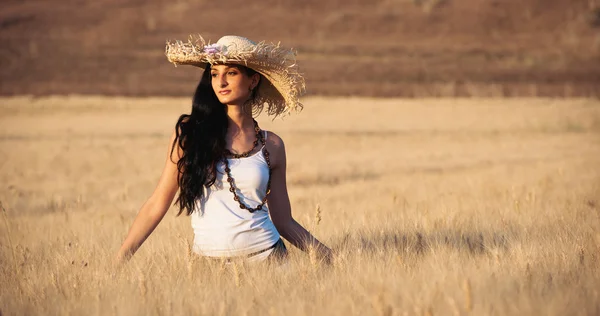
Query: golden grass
[{"x": 434, "y": 207}]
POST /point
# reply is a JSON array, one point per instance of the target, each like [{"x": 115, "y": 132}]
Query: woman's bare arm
[
  {"x": 279, "y": 204},
  {"x": 154, "y": 209}
]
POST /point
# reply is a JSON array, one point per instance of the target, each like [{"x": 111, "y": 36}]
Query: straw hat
[{"x": 281, "y": 85}]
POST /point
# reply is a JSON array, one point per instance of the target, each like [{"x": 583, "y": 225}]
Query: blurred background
[{"x": 385, "y": 48}]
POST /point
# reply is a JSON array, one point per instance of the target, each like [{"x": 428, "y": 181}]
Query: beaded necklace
[
  {"x": 232, "y": 189},
  {"x": 246, "y": 154}
]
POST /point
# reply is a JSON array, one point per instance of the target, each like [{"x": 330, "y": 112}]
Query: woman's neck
[{"x": 239, "y": 119}]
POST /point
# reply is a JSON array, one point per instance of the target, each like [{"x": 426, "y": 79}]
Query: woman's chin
[{"x": 230, "y": 101}]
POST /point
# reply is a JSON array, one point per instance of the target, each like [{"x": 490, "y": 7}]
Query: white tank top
[{"x": 221, "y": 227}]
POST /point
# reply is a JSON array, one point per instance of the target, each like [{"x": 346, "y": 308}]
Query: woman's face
[{"x": 231, "y": 84}]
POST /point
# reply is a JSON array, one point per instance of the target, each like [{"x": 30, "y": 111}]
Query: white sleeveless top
[{"x": 221, "y": 227}]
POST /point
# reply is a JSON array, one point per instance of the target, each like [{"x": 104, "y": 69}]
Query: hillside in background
[{"x": 345, "y": 47}]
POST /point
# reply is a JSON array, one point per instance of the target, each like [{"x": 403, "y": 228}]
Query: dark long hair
[{"x": 201, "y": 137}]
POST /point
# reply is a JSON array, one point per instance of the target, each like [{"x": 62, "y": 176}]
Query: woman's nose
[{"x": 223, "y": 81}]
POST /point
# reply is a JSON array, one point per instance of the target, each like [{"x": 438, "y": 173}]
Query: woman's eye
[
  {"x": 213, "y": 75},
  {"x": 232, "y": 73}
]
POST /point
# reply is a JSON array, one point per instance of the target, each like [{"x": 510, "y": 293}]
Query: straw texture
[{"x": 281, "y": 85}]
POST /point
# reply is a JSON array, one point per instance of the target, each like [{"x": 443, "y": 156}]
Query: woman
[{"x": 231, "y": 175}]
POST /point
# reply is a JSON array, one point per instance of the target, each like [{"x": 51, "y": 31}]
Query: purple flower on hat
[{"x": 214, "y": 48}]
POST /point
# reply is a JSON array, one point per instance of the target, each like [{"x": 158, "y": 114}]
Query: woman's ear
[{"x": 255, "y": 80}]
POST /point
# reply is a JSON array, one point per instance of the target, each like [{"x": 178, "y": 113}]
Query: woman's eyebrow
[{"x": 224, "y": 69}]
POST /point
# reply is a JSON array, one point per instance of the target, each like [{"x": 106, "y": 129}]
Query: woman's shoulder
[
  {"x": 276, "y": 148},
  {"x": 274, "y": 140}
]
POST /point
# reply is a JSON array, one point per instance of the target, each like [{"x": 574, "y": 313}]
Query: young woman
[{"x": 231, "y": 175}]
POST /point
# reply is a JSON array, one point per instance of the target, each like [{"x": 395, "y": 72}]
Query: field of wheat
[{"x": 433, "y": 207}]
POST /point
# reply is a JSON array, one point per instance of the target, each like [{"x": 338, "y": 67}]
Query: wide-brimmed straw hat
[{"x": 281, "y": 85}]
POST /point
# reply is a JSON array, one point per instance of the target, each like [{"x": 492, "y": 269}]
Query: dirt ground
[
  {"x": 433, "y": 207},
  {"x": 381, "y": 48}
]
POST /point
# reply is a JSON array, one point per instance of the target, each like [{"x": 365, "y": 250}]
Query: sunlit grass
[{"x": 434, "y": 207}]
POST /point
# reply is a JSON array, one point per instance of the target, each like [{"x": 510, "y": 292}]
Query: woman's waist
[
  {"x": 223, "y": 243},
  {"x": 276, "y": 251}
]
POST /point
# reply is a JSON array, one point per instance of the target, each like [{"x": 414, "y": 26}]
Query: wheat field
[{"x": 433, "y": 207}]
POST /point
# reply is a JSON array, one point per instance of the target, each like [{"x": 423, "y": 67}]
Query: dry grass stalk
[
  {"x": 318, "y": 215},
  {"x": 142, "y": 285},
  {"x": 313, "y": 257},
  {"x": 10, "y": 243},
  {"x": 453, "y": 306},
  {"x": 381, "y": 306},
  {"x": 237, "y": 274},
  {"x": 190, "y": 258},
  {"x": 222, "y": 267},
  {"x": 468, "y": 295}
]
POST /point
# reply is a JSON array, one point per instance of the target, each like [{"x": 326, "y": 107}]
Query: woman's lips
[{"x": 224, "y": 92}]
